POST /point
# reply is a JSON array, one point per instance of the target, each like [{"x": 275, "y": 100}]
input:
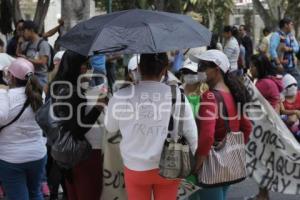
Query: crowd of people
[{"x": 32, "y": 73}]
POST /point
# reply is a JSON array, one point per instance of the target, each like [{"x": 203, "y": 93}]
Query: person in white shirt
[
  {"x": 231, "y": 48},
  {"x": 22, "y": 146},
  {"x": 142, "y": 112},
  {"x": 265, "y": 43}
]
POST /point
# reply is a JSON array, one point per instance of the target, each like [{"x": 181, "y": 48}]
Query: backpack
[{"x": 50, "y": 65}]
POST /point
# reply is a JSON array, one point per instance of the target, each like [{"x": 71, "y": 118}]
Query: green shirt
[{"x": 195, "y": 103}]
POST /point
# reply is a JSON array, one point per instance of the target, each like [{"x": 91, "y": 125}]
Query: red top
[
  {"x": 270, "y": 88},
  {"x": 211, "y": 126},
  {"x": 293, "y": 105}
]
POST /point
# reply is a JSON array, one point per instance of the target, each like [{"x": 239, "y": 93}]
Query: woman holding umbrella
[{"x": 84, "y": 180}]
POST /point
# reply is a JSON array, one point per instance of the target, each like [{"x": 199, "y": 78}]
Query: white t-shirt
[
  {"x": 23, "y": 140},
  {"x": 142, "y": 114},
  {"x": 232, "y": 51}
]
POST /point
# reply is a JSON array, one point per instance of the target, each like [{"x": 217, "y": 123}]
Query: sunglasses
[
  {"x": 291, "y": 85},
  {"x": 202, "y": 66}
]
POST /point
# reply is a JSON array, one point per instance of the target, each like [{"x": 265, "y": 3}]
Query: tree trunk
[
  {"x": 74, "y": 11},
  {"x": 40, "y": 13},
  {"x": 6, "y": 17},
  {"x": 173, "y": 6},
  {"x": 211, "y": 19},
  {"x": 17, "y": 15},
  {"x": 159, "y": 4},
  {"x": 266, "y": 17}
]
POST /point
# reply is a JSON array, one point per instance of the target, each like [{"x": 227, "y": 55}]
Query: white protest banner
[
  {"x": 113, "y": 175},
  {"x": 273, "y": 154}
]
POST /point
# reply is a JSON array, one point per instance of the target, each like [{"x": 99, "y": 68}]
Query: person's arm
[
  {"x": 110, "y": 122},
  {"x": 51, "y": 32},
  {"x": 80, "y": 122},
  {"x": 21, "y": 45},
  {"x": 264, "y": 45},
  {"x": 274, "y": 43},
  {"x": 189, "y": 127},
  {"x": 54, "y": 30},
  {"x": 295, "y": 45},
  {"x": 4, "y": 105},
  {"x": 206, "y": 123},
  {"x": 206, "y": 128},
  {"x": 283, "y": 111},
  {"x": 42, "y": 60},
  {"x": 44, "y": 54}
]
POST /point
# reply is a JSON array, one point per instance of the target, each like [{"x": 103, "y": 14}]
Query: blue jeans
[
  {"x": 23, "y": 181},
  {"x": 216, "y": 193},
  {"x": 42, "y": 78}
]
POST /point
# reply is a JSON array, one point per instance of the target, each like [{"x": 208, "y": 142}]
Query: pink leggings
[{"x": 141, "y": 184}]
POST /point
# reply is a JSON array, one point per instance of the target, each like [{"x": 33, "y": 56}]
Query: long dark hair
[
  {"x": 153, "y": 64},
  {"x": 235, "y": 84},
  {"x": 33, "y": 91},
  {"x": 69, "y": 69},
  {"x": 237, "y": 88},
  {"x": 263, "y": 65}
]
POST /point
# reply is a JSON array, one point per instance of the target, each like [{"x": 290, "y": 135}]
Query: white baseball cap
[
  {"x": 5, "y": 60},
  {"x": 288, "y": 80},
  {"x": 188, "y": 64},
  {"x": 134, "y": 62},
  {"x": 215, "y": 56}
]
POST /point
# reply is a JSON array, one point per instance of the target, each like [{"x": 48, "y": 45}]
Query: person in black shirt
[
  {"x": 247, "y": 43},
  {"x": 13, "y": 42}
]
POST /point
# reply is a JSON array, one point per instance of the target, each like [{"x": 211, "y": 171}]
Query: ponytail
[
  {"x": 237, "y": 89},
  {"x": 34, "y": 92}
]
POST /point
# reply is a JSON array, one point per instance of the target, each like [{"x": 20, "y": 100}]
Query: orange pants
[{"x": 141, "y": 184}]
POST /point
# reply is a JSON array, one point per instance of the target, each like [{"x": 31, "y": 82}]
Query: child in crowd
[{"x": 290, "y": 107}]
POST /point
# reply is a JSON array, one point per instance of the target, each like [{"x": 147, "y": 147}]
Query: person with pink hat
[{"x": 22, "y": 146}]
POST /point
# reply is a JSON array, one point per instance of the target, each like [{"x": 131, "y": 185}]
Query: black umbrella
[{"x": 135, "y": 31}]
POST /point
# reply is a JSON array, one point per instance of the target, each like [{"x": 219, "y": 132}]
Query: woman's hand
[
  {"x": 101, "y": 102},
  {"x": 199, "y": 162},
  {"x": 297, "y": 112}
]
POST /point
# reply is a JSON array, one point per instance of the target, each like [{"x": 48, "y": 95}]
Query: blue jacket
[{"x": 290, "y": 41}]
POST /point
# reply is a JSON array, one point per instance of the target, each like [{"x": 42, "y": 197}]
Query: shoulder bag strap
[
  {"x": 26, "y": 104},
  {"x": 39, "y": 44},
  {"x": 182, "y": 113},
  {"x": 220, "y": 99},
  {"x": 27, "y": 48},
  {"x": 171, "y": 123}
]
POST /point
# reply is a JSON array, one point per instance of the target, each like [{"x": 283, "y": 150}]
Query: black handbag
[{"x": 66, "y": 150}]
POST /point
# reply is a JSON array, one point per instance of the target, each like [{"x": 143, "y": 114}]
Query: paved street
[{"x": 249, "y": 188}]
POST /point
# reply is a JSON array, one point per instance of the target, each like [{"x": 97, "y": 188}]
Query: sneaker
[
  {"x": 1, "y": 192},
  {"x": 45, "y": 189}
]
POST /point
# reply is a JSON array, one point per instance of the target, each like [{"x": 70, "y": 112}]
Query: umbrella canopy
[{"x": 135, "y": 31}]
